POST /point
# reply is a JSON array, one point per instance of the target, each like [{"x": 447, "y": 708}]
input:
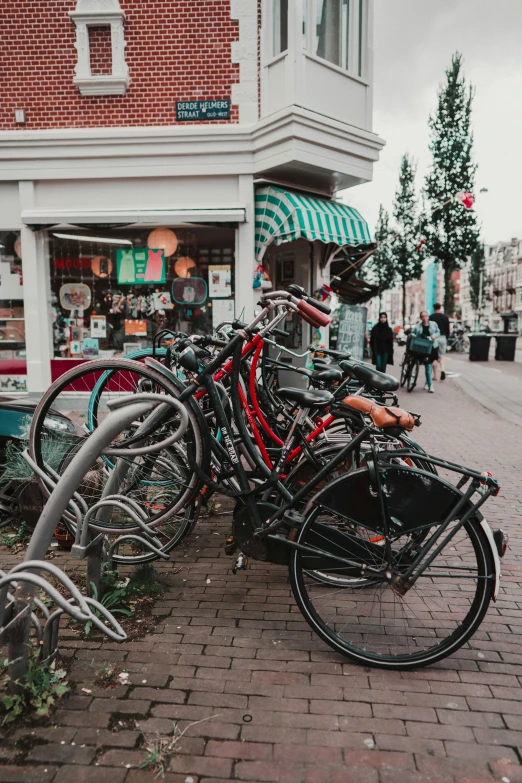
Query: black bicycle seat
[
  {"x": 308, "y": 398},
  {"x": 337, "y": 355},
  {"x": 327, "y": 375},
  {"x": 374, "y": 378}
]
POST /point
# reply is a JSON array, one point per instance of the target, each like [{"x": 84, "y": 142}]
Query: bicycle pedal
[
  {"x": 231, "y": 545},
  {"x": 241, "y": 564}
]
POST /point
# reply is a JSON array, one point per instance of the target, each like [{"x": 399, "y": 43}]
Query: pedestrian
[
  {"x": 443, "y": 322},
  {"x": 381, "y": 342},
  {"x": 429, "y": 329}
]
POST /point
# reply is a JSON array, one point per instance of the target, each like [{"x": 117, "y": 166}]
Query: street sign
[{"x": 202, "y": 111}]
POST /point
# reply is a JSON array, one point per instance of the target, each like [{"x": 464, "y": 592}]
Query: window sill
[
  {"x": 277, "y": 58},
  {"x": 102, "y": 85},
  {"x": 336, "y": 68}
]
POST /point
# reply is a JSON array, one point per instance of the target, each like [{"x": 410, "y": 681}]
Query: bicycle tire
[{"x": 413, "y": 376}]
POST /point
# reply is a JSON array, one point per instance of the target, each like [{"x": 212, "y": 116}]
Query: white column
[
  {"x": 38, "y": 328},
  {"x": 246, "y": 297}
]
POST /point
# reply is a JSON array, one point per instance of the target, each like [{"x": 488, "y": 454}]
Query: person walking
[
  {"x": 443, "y": 322},
  {"x": 381, "y": 343},
  {"x": 429, "y": 329}
]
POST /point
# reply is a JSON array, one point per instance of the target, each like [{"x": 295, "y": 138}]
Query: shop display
[
  {"x": 12, "y": 331},
  {"x": 222, "y": 310},
  {"x": 261, "y": 278},
  {"x": 120, "y": 297},
  {"x": 13, "y": 383}
]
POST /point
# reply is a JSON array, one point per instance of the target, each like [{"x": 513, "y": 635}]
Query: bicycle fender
[{"x": 496, "y": 559}]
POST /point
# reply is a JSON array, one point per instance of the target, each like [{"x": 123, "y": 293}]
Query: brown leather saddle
[{"x": 382, "y": 415}]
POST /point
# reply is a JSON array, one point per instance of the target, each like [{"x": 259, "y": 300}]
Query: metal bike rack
[{"x": 19, "y": 607}]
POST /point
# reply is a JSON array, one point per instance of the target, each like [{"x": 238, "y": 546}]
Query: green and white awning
[{"x": 283, "y": 216}]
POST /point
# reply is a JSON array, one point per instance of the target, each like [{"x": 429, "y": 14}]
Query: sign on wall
[
  {"x": 200, "y": 111},
  {"x": 140, "y": 266},
  {"x": 352, "y": 328}
]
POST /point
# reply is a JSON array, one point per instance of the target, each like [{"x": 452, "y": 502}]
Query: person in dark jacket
[{"x": 381, "y": 341}]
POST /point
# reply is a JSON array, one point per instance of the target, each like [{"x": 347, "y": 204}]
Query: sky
[{"x": 413, "y": 44}]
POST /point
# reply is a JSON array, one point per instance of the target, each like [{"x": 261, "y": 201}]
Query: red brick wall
[
  {"x": 176, "y": 50},
  {"x": 100, "y": 48}
]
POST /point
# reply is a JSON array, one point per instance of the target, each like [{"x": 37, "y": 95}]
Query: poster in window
[
  {"x": 219, "y": 281},
  {"x": 162, "y": 301},
  {"x": 222, "y": 310},
  {"x": 351, "y": 331},
  {"x": 99, "y": 326},
  {"x": 136, "y": 328},
  {"x": 189, "y": 290},
  {"x": 91, "y": 348},
  {"x": 75, "y": 296},
  {"x": 140, "y": 266}
]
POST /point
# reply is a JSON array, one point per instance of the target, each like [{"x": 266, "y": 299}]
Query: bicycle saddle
[
  {"x": 374, "y": 378},
  {"x": 382, "y": 415},
  {"x": 327, "y": 375},
  {"x": 308, "y": 398},
  {"x": 337, "y": 355}
]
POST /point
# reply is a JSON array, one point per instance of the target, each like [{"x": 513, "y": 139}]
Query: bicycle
[{"x": 409, "y": 370}]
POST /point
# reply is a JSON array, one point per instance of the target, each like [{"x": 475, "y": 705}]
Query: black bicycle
[{"x": 410, "y": 370}]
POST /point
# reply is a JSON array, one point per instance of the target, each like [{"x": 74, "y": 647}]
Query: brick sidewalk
[{"x": 287, "y": 709}]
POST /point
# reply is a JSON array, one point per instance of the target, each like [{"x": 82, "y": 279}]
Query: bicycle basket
[{"x": 420, "y": 345}]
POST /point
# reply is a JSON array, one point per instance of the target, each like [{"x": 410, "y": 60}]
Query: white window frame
[
  {"x": 356, "y": 54},
  {"x": 100, "y": 13}
]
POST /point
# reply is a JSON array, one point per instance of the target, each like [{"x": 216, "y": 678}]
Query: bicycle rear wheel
[{"x": 367, "y": 621}]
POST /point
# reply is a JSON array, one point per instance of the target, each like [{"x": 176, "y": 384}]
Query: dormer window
[{"x": 101, "y": 68}]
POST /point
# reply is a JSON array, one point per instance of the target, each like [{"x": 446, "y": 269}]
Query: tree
[
  {"x": 381, "y": 269},
  {"x": 451, "y": 232},
  {"x": 477, "y": 266},
  {"x": 407, "y": 261}
]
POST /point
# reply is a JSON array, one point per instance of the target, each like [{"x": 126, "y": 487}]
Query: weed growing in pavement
[
  {"x": 113, "y": 600},
  {"x": 159, "y": 750},
  {"x": 41, "y": 686}
]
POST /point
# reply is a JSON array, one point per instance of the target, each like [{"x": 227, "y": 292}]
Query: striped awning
[{"x": 283, "y": 216}]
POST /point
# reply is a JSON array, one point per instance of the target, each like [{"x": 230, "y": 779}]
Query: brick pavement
[{"x": 287, "y": 708}]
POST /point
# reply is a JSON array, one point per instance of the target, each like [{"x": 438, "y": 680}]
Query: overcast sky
[{"x": 413, "y": 44}]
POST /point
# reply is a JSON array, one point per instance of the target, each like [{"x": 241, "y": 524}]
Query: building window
[
  {"x": 333, "y": 31},
  {"x": 280, "y": 26}
]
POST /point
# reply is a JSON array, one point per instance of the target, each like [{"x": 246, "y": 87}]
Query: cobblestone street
[{"x": 267, "y": 700}]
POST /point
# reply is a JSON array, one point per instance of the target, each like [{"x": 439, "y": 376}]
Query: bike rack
[{"x": 20, "y": 609}]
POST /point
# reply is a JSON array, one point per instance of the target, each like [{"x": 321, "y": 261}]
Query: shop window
[
  {"x": 13, "y": 366},
  {"x": 280, "y": 26},
  {"x": 112, "y": 291}
]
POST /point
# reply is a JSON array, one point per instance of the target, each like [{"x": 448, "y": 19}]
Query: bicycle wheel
[
  {"x": 414, "y": 374},
  {"x": 462, "y": 345},
  {"x": 161, "y": 483},
  {"x": 368, "y": 622},
  {"x": 405, "y": 371}
]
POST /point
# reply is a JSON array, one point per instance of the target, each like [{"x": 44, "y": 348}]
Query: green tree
[
  {"x": 407, "y": 261},
  {"x": 380, "y": 269},
  {"x": 451, "y": 231},
  {"x": 476, "y": 277}
]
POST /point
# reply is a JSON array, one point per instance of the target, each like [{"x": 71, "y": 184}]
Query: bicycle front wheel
[{"x": 368, "y": 622}]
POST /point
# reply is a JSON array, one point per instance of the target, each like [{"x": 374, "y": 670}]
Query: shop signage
[
  {"x": 140, "y": 266},
  {"x": 200, "y": 111},
  {"x": 72, "y": 263},
  {"x": 352, "y": 328}
]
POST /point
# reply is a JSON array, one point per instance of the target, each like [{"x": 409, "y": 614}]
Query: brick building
[{"x": 120, "y": 117}]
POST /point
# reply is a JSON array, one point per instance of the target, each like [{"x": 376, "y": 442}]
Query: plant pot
[{"x": 64, "y": 538}]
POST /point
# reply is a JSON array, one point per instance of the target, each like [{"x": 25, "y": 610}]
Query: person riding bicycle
[{"x": 429, "y": 329}]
